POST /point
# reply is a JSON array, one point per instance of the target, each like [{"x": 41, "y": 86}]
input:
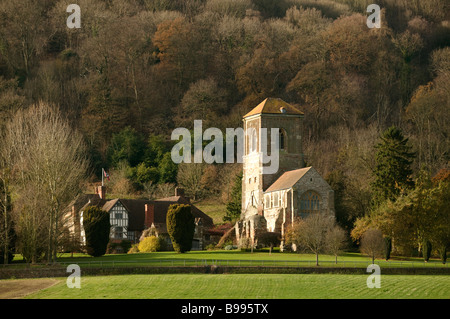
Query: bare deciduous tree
[
  {"x": 6, "y": 224},
  {"x": 48, "y": 165},
  {"x": 372, "y": 243},
  {"x": 335, "y": 240},
  {"x": 190, "y": 178},
  {"x": 311, "y": 233}
]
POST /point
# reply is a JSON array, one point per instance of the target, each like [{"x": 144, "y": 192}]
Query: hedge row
[{"x": 100, "y": 271}]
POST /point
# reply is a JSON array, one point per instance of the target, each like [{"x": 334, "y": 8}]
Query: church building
[{"x": 272, "y": 201}]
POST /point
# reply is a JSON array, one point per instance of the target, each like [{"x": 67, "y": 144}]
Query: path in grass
[
  {"x": 12, "y": 289},
  {"x": 263, "y": 286}
]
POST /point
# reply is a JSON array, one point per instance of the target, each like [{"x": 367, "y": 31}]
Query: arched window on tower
[
  {"x": 253, "y": 140},
  {"x": 282, "y": 139},
  {"x": 309, "y": 203}
]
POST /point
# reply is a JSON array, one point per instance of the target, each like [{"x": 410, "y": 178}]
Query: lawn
[
  {"x": 212, "y": 208},
  {"x": 260, "y": 286}
]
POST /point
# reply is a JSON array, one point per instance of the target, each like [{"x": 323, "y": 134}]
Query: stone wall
[{"x": 313, "y": 181}]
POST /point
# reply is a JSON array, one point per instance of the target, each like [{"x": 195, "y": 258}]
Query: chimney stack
[
  {"x": 179, "y": 191},
  {"x": 149, "y": 215},
  {"x": 101, "y": 191}
]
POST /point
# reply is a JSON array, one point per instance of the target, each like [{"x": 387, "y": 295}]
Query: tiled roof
[
  {"x": 93, "y": 200},
  {"x": 169, "y": 199},
  {"x": 136, "y": 212},
  {"x": 109, "y": 204},
  {"x": 288, "y": 179},
  {"x": 161, "y": 207},
  {"x": 274, "y": 106},
  {"x": 136, "y": 209}
]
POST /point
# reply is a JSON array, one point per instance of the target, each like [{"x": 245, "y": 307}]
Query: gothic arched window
[
  {"x": 309, "y": 203},
  {"x": 282, "y": 139}
]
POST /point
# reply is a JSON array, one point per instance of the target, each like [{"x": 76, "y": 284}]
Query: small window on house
[
  {"x": 267, "y": 201},
  {"x": 118, "y": 215},
  {"x": 131, "y": 235},
  {"x": 118, "y": 232},
  {"x": 275, "y": 199},
  {"x": 249, "y": 180},
  {"x": 254, "y": 179}
]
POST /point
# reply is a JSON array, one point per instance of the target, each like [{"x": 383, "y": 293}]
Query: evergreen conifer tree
[
  {"x": 393, "y": 166},
  {"x": 234, "y": 205}
]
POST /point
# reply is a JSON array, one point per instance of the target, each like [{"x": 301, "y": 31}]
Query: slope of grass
[
  {"x": 264, "y": 286},
  {"x": 212, "y": 208}
]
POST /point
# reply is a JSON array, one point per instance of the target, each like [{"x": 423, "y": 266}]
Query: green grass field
[
  {"x": 264, "y": 286},
  {"x": 242, "y": 286}
]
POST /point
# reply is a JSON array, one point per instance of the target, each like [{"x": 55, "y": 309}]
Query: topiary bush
[
  {"x": 388, "y": 247},
  {"x": 96, "y": 227},
  {"x": 180, "y": 226},
  {"x": 150, "y": 244}
]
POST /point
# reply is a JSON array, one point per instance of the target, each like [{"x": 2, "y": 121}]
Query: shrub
[
  {"x": 181, "y": 227},
  {"x": 134, "y": 249},
  {"x": 147, "y": 233},
  {"x": 149, "y": 244},
  {"x": 126, "y": 245},
  {"x": 443, "y": 254},
  {"x": 118, "y": 247},
  {"x": 164, "y": 239},
  {"x": 96, "y": 227},
  {"x": 112, "y": 247}
]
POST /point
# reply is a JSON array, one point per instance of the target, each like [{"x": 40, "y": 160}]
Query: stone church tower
[
  {"x": 271, "y": 113},
  {"x": 270, "y": 202}
]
